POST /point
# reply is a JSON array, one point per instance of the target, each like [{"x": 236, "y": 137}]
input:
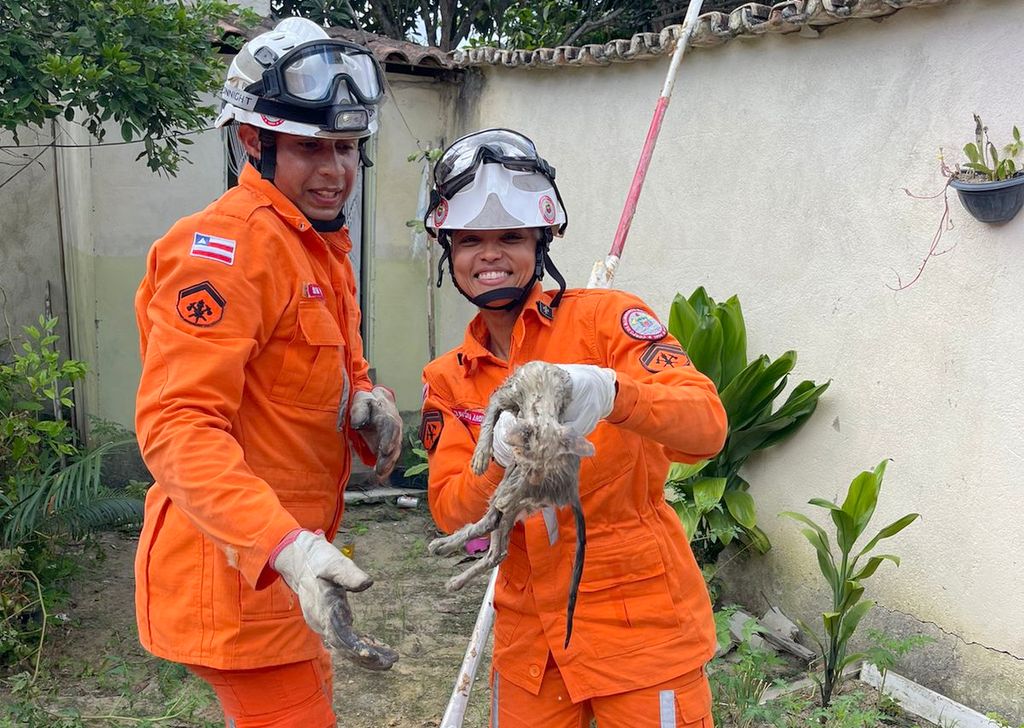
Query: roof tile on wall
[{"x": 711, "y": 29}]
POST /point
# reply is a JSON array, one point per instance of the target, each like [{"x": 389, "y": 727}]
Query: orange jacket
[
  {"x": 250, "y": 352},
  {"x": 643, "y": 614}
]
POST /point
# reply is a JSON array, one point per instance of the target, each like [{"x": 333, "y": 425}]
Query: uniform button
[
  {"x": 302, "y": 226},
  {"x": 534, "y": 671}
]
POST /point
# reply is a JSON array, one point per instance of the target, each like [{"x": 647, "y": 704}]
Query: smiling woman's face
[{"x": 485, "y": 260}]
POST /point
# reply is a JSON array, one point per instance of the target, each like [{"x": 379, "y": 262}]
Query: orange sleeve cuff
[
  {"x": 626, "y": 401},
  {"x": 255, "y": 563}
]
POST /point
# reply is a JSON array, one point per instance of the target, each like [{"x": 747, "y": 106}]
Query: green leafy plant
[
  {"x": 414, "y": 456},
  {"x": 51, "y": 491},
  {"x": 844, "y": 571},
  {"x": 1000, "y": 720},
  {"x": 712, "y": 498},
  {"x": 142, "y": 67},
  {"x": 739, "y": 686},
  {"x": 885, "y": 651},
  {"x": 429, "y": 155},
  {"x": 984, "y": 157}
]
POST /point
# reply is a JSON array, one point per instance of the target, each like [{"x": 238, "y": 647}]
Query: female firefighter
[{"x": 643, "y": 626}]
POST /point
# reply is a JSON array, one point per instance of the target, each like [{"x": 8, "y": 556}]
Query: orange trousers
[
  {"x": 682, "y": 702},
  {"x": 297, "y": 695}
]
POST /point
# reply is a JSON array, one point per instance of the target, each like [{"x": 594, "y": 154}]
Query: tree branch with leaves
[{"x": 138, "y": 65}]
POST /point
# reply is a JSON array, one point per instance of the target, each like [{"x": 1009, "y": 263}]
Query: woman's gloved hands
[
  {"x": 375, "y": 416},
  {"x": 320, "y": 575},
  {"x": 593, "y": 395}
]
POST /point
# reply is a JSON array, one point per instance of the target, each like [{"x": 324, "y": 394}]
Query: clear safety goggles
[
  {"x": 322, "y": 72},
  {"x": 457, "y": 168}
]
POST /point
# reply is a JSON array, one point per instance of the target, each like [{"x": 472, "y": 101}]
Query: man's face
[{"x": 314, "y": 173}]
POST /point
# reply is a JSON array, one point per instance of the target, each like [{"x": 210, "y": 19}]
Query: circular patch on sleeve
[{"x": 641, "y": 325}]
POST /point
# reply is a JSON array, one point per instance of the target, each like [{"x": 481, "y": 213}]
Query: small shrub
[{"x": 844, "y": 571}]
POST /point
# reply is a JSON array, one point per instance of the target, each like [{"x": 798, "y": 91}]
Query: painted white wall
[{"x": 778, "y": 177}]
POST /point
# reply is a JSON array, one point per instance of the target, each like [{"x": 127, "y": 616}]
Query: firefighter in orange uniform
[
  {"x": 253, "y": 387},
  {"x": 643, "y": 626}
]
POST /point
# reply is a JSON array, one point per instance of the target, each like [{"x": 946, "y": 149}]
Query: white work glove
[
  {"x": 593, "y": 395},
  {"x": 320, "y": 575},
  {"x": 375, "y": 416},
  {"x": 501, "y": 451}
]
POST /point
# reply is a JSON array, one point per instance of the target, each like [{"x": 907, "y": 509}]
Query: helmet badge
[
  {"x": 271, "y": 121},
  {"x": 547, "y": 209},
  {"x": 441, "y": 212}
]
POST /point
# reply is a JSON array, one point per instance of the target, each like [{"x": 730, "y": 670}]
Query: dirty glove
[
  {"x": 593, "y": 394},
  {"x": 321, "y": 575},
  {"x": 375, "y": 416},
  {"x": 501, "y": 451}
]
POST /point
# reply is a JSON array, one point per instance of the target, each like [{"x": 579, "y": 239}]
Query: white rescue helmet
[
  {"x": 494, "y": 180},
  {"x": 297, "y": 80}
]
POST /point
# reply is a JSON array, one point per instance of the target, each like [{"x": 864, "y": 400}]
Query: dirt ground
[{"x": 93, "y": 671}]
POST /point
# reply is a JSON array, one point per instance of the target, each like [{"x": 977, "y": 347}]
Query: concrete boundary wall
[{"x": 779, "y": 177}]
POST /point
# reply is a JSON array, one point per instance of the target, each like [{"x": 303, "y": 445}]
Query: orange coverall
[
  {"x": 250, "y": 355},
  {"x": 643, "y": 615}
]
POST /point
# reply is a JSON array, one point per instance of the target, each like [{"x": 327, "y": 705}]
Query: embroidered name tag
[{"x": 470, "y": 417}]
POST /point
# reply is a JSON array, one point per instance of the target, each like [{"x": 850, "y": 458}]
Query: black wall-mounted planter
[{"x": 991, "y": 201}]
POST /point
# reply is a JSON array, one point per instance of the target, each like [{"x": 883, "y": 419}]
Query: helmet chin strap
[{"x": 513, "y": 294}]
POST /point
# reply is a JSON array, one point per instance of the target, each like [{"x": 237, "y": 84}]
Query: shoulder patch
[
  {"x": 430, "y": 428},
  {"x": 639, "y": 324},
  {"x": 659, "y": 357},
  {"x": 201, "y": 304},
  {"x": 211, "y": 247}
]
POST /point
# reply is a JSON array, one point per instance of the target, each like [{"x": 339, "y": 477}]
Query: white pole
[{"x": 456, "y": 710}]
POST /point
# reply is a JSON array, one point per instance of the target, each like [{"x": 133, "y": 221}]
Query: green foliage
[
  {"x": 738, "y": 687},
  {"x": 885, "y": 651},
  {"x": 984, "y": 157},
  {"x": 414, "y": 457},
  {"x": 1001, "y": 721},
  {"x": 711, "y": 498},
  {"x": 847, "y": 711},
  {"x": 429, "y": 155},
  {"x": 51, "y": 493},
  {"x": 138, "y": 65},
  {"x": 450, "y": 24},
  {"x": 844, "y": 571}
]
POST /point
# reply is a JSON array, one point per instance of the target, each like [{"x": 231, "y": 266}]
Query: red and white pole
[{"x": 603, "y": 271}]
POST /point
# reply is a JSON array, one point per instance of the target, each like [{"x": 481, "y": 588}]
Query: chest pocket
[
  {"x": 312, "y": 373},
  {"x": 614, "y": 458}
]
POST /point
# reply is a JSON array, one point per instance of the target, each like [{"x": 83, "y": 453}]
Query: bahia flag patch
[{"x": 211, "y": 247}]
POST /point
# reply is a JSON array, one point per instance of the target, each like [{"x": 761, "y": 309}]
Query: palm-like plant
[
  {"x": 844, "y": 571},
  {"x": 711, "y": 498},
  {"x": 64, "y": 501}
]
